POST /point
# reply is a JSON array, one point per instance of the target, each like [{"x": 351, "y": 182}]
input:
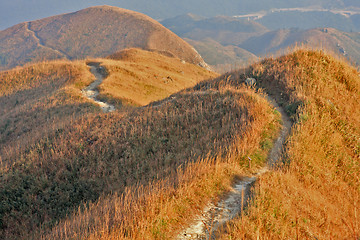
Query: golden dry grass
[
  {"x": 139, "y": 77},
  {"x": 37, "y": 99},
  {"x": 48, "y": 93},
  {"x": 145, "y": 173},
  {"x": 207, "y": 136},
  {"x": 83, "y": 154},
  {"x": 317, "y": 193}
]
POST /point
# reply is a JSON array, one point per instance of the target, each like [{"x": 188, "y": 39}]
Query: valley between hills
[{"x": 118, "y": 129}]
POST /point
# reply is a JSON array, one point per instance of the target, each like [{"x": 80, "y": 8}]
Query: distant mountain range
[
  {"x": 237, "y": 41},
  {"x": 310, "y": 18},
  {"x": 92, "y": 32},
  {"x": 341, "y": 43},
  {"x": 223, "y": 41}
]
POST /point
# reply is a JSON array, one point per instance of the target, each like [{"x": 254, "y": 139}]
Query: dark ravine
[
  {"x": 91, "y": 91},
  {"x": 213, "y": 216}
]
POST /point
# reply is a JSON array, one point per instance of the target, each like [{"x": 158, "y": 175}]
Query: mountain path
[
  {"x": 91, "y": 92},
  {"x": 215, "y": 215},
  {"x": 41, "y": 43}
]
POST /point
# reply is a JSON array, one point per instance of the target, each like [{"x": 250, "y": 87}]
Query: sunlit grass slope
[
  {"x": 162, "y": 164},
  {"x": 316, "y": 194},
  {"x": 59, "y": 150},
  {"x": 40, "y": 103},
  {"x": 139, "y": 77},
  {"x": 38, "y": 99},
  {"x": 197, "y": 136}
]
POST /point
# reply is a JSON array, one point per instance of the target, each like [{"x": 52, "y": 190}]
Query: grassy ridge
[
  {"x": 35, "y": 96},
  {"x": 145, "y": 173},
  {"x": 41, "y": 104},
  {"x": 92, "y": 32},
  {"x": 317, "y": 194},
  {"x": 139, "y": 77},
  {"x": 106, "y": 153},
  {"x": 48, "y": 93},
  {"x": 188, "y": 150}
]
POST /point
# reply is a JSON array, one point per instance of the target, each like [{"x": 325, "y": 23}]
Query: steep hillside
[
  {"x": 184, "y": 24},
  {"x": 37, "y": 100},
  {"x": 216, "y": 38},
  {"x": 92, "y": 32},
  {"x": 183, "y": 143},
  {"x": 49, "y": 93},
  {"x": 316, "y": 193},
  {"x": 221, "y": 40},
  {"x": 138, "y": 77}
]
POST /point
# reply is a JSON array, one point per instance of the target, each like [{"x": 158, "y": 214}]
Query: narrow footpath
[
  {"x": 214, "y": 216},
  {"x": 91, "y": 91}
]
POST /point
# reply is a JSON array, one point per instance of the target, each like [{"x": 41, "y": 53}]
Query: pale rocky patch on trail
[{"x": 91, "y": 92}]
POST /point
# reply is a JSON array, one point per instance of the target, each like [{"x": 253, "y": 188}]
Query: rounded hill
[{"x": 92, "y": 32}]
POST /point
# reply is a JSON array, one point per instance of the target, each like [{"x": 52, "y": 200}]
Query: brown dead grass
[
  {"x": 37, "y": 99},
  {"x": 48, "y": 93},
  {"x": 239, "y": 119},
  {"x": 317, "y": 194},
  {"x": 140, "y": 77},
  {"x": 85, "y": 156}
]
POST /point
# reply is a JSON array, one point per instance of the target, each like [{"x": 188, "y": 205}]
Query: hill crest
[{"x": 92, "y": 32}]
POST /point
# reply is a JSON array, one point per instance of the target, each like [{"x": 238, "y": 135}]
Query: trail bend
[
  {"x": 91, "y": 92},
  {"x": 215, "y": 215}
]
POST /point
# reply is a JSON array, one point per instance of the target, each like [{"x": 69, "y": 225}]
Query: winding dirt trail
[
  {"x": 91, "y": 91},
  {"x": 214, "y": 216}
]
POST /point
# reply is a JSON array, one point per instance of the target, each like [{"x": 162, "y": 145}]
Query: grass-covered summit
[{"x": 91, "y": 32}]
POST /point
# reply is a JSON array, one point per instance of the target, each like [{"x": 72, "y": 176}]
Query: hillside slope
[
  {"x": 241, "y": 37},
  {"x": 217, "y": 38},
  {"x": 223, "y": 29},
  {"x": 139, "y": 77},
  {"x": 308, "y": 20},
  {"x": 50, "y": 92},
  {"x": 185, "y": 24},
  {"x": 171, "y": 143},
  {"x": 92, "y": 32},
  {"x": 37, "y": 100},
  {"x": 316, "y": 193}
]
